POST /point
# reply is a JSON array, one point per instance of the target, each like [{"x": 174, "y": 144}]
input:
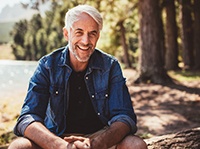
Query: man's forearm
[
  {"x": 40, "y": 135},
  {"x": 111, "y": 136}
]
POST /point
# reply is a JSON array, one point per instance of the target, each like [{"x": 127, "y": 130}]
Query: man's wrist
[
  {"x": 98, "y": 142},
  {"x": 60, "y": 143}
]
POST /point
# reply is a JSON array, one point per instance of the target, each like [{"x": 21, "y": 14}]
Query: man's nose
[{"x": 85, "y": 39}]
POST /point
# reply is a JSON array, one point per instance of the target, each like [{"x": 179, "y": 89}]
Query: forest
[{"x": 151, "y": 37}]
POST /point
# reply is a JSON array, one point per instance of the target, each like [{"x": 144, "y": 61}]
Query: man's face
[{"x": 82, "y": 37}]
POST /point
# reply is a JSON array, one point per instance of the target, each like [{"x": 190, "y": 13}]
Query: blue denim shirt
[{"x": 47, "y": 97}]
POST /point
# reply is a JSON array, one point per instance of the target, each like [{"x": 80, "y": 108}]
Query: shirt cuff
[
  {"x": 23, "y": 123},
  {"x": 125, "y": 119}
]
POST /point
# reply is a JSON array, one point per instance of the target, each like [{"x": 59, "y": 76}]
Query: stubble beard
[{"x": 75, "y": 54}]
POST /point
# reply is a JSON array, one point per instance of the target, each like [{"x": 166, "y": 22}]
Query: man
[{"x": 77, "y": 97}]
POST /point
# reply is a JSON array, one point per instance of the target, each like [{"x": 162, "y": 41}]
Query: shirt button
[
  {"x": 98, "y": 113},
  {"x": 86, "y": 78},
  {"x": 106, "y": 95},
  {"x": 92, "y": 96},
  {"x": 56, "y": 92}
]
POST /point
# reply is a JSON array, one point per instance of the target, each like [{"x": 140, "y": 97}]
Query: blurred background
[{"x": 159, "y": 41}]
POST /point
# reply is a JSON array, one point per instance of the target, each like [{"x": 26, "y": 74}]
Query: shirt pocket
[
  {"x": 56, "y": 98},
  {"x": 102, "y": 98}
]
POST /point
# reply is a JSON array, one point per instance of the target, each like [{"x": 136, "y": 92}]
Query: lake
[{"x": 14, "y": 77}]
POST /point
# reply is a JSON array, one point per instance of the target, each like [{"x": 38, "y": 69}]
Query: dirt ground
[
  {"x": 164, "y": 110},
  {"x": 160, "y": 109}
]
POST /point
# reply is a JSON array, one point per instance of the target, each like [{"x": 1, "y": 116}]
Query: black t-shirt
[{"x": 81, "y": 117}]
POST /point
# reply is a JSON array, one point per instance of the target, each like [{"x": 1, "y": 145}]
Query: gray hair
[{"x": 72, "y": 15}]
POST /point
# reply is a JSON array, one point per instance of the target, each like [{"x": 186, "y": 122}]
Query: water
[{"x": 14, "y": 77}]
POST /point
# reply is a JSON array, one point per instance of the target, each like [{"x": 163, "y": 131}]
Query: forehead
[{"x": 85, "y": 22}]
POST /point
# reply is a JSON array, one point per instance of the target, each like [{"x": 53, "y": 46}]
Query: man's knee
[
  {"x": 22, "y": 143},
  {"x": 132, "y": 142}
]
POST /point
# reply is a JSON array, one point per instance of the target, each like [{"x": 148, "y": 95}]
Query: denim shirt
[{"x": 47, "y": 96}]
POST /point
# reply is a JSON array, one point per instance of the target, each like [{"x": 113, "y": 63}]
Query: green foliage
[
  {"x": 113, "y": 14},
  {"x": 39, "y": 36},
  {"x": 18, "y": 34}
]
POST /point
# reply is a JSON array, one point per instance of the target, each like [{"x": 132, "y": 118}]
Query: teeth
[{"x": 83, "y": 48}]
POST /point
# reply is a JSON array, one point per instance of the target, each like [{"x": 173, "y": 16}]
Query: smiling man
[{"x": 77, "y": 97}]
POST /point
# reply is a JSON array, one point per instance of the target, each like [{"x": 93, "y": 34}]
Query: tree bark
[
  {"x": 197, "y": 33},
  {"x": 187, "y": 34},
  {"x": 124, "y": 44},
  {"x": 151, "y": 42},
  {"x": 188, "y": 139},
  {"x": 171, "y": 55}
]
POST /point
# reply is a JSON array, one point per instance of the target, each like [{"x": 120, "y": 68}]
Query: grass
[
  {"x": 6, "y": 138},
  {"x": 185, "y": 75}
]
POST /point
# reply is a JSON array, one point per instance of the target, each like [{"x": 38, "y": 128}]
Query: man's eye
[
  {"x": 79, "y": 33},
  {"x": 93, "y": 34}
]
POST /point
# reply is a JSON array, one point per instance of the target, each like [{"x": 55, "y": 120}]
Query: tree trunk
[
  {"x": 188, "y": 139},
  {"x": 187, "y": 34},
  {"x": 171, "y": 55},
  {"x": 151, "y": 38},
  {"x": 124, "y": 44},
  {"x": 197, "y": 33}
]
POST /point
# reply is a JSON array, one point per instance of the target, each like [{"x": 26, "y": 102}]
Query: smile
[{"x": 83, "y": 49}]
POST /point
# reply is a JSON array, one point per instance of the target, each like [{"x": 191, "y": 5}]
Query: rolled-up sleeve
[
  {"x": 23, "y": 123},
  {"x": 125, "y": 119}
]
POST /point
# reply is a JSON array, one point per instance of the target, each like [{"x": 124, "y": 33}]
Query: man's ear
[{"x": 65, "y": 33}]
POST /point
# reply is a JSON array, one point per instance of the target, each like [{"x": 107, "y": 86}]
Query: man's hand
[
  {"x": 78, "y": 142},
  {"x": 107, "y": 138}
]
